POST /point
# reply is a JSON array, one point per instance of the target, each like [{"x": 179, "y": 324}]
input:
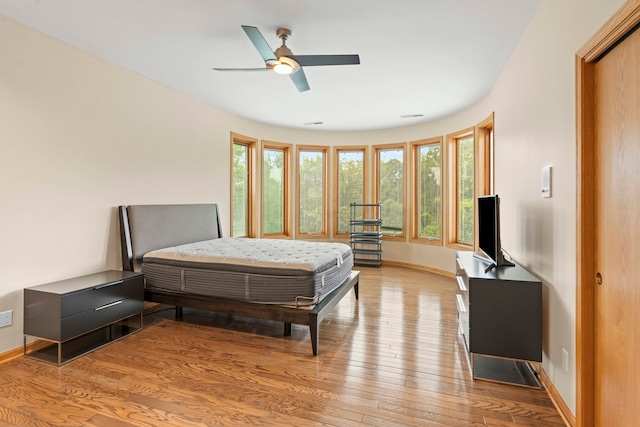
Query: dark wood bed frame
[{"x": 303, "y": 316}]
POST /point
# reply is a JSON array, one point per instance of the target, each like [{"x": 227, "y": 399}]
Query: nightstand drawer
[
  {"x": 88, "y": 321},
  {"x": 100, "y": 295}
]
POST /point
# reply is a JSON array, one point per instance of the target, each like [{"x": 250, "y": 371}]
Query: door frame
[{"x": 621, "y": 23}]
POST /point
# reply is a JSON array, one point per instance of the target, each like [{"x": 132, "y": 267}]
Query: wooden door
[{"x": 617, "y": 235}]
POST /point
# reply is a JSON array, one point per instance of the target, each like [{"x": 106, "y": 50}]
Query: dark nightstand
[{"x": 79, "y": 315}]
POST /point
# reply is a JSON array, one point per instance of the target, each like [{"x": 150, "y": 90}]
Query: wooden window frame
[
  {"x": 453, "y": 214},
  {"x": 252, "y": 145},
  {"x": 287, "y": 150},
  {"x": 376, "y": 176},
  {"x": 415, "y": 188},
  {"x": 336, "y": 182},
  {"x": 484, "y": 164},
  {"x": 485, "y": 146},
  {"x": 325, "y": 150}
]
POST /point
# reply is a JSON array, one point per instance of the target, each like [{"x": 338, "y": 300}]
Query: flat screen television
[{"x": 489, "y": 231}]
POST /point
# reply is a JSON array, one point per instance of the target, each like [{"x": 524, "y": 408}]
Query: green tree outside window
[
  {"x": 240, "y": 189},
  {"x": 465, "y": 190},
  {"x": 311, "y": 192},
  {"x": 350, "y": 185},
  {"x": 391, "y": 190},
  {"x": 273, "y": 187},
  {"x": 430, "y": 192}
]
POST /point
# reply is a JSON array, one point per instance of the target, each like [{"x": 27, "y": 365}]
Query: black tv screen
[
  {"x": 489, "y": 231},
  {"x": 489, "y": 227}
]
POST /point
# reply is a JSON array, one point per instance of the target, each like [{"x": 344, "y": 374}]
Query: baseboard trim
[
  {"x": 557, "y": 400},
  {"x": 18, "y": 352},
  {"x": 420, "y": 267},
  {"x": 10, "y": 355}
]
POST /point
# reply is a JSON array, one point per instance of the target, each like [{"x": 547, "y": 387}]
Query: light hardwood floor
[{"x": 391, "y": 358}]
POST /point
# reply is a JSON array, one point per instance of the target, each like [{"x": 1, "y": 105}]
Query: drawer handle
[
  {"x": 107, "y": 305},
  {"x": 459, "y": 265},
  {"x": 106, "y": 285},
  {"x": 461, "y": 285},
  {"x": 461, "y": 307}
]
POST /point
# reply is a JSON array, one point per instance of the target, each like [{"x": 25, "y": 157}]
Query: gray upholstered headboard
[{"x": 144, "y": 228}]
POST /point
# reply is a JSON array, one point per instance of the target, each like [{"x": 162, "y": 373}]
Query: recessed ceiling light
[{"x": 411, "y": 116}]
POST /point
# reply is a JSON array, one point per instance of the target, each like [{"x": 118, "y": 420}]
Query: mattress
[{"x": 286, "y": 272}]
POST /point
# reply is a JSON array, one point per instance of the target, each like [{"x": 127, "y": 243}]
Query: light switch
[{"x": 546, "y": 182}]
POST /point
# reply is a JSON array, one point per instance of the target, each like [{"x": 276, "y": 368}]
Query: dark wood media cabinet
[
  {"x": 500, "y": 319},
  {"x": 79, "y": 315}
]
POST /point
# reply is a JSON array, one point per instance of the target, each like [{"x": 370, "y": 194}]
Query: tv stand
[
  {"x": 492, "y": 264},
  {"x": 500, "y": 319}
]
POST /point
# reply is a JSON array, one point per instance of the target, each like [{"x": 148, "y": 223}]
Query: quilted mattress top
[{"x": 271, "y": 253}]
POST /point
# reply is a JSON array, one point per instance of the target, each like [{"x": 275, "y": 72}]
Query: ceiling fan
[{"x": 283, "y": 61}]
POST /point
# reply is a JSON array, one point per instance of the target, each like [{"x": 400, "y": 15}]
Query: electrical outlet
[
  {"x": 6, "y": 318},
  {"x": 565, "y": 360}
]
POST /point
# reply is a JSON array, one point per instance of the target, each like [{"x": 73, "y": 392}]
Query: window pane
[
  {"x": 311, "y": 184},
  {"x": 240, "y": 189},
  {"x": 465, "y": 190},
  {"x": 391, "y": 190},
  {"x": 350, "y": 185},
  {"x": 429, "y": 193},
  {"x": 273, "y": 189}
]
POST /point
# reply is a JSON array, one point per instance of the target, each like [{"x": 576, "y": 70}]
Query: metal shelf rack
[{"x": 365, "y": 233}]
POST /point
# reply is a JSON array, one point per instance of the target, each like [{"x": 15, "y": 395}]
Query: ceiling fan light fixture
[
  {"x": 283, "y": 68},
  {"x": 286, "y": 66}
]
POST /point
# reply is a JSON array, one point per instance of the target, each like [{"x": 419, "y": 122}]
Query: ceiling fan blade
[
  {"x": 242, "y": 69},
  {"x": 315, "y": 60},
  {"x": 300, "y": 80},
  {"x": 259, "y": 42}
]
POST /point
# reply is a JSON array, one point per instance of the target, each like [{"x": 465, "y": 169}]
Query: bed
[{"x": 187, "y": 262}]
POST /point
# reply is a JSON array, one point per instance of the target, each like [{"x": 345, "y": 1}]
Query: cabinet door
[{"x": 505, "y": 319}]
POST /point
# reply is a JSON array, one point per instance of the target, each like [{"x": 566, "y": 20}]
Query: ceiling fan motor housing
[{"x": 283, "y": 50}]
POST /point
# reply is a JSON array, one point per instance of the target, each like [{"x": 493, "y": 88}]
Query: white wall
[
  {"x": 534, "y": 101},
  {"x": 80, "y": 136}
]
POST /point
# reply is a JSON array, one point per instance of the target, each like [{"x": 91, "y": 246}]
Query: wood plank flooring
[{"x": 391, "y": 358}]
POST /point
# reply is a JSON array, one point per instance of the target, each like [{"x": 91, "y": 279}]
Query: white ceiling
[{"x": 427, "y": 57}]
